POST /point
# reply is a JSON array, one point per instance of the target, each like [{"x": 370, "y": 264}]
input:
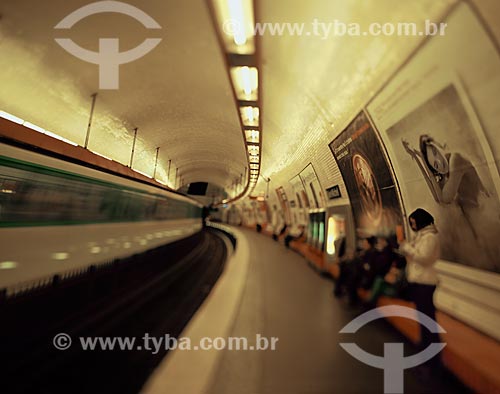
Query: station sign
[{"x": 333, "y": 192}]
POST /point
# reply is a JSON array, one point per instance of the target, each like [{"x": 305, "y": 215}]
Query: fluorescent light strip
[
  {"x": 57, "y": 136},
  {"x": 143, "y": 173},
  {"x": 98, "y": 154},
  {"x": 11, "y": 117},
  {"x": 34, "y": 127}
]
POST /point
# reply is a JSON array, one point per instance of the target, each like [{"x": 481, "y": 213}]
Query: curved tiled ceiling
[
  {"x": 312, "y": 87},
  {"x": 178, "y": 95}
]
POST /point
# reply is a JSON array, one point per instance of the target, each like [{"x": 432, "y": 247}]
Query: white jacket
[{"x": 421, "y": 256}]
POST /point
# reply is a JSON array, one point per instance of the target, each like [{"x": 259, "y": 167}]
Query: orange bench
[
  {"x": 310, "y": 254},
  {"x": 472, "y": 356}
]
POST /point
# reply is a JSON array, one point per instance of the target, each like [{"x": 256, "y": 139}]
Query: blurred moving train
[{"x": 57, "y": 217}]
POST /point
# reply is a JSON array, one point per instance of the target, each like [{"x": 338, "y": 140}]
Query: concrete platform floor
[{"x": 285, "y": 298}]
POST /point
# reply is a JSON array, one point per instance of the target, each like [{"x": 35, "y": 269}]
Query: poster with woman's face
[
  {"x": 368, "y": 179},
  {"x": 448, "y": 171}
]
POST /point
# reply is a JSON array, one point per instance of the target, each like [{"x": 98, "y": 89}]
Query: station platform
[{"x": 271, "y": 291}]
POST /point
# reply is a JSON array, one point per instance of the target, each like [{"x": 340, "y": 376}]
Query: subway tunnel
[{"x": 220, "y": 196}]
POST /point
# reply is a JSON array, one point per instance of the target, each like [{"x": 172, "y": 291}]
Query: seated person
[
  {"x": 380, "y": 262},
  {"x": 392, "y": 284},
  {"x": 340, "y": 247},
  {"x": 351, "y": 270},
  {"x": 280, "y": 230},
  {"x": 294, "y": 233}
]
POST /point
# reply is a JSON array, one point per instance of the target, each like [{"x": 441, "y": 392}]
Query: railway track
[{"x": 155, "y": 293}]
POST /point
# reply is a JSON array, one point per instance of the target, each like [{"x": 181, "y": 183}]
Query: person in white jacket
[{"x": 422, "y": 254}]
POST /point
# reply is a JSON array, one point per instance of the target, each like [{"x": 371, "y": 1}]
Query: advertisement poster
[
  {"x": 313, "y": 188},
  {"x": 285, "y": 205},
  {"x": 439, "y": 120},
  {"x": 440, "y": 155},
  {"x": 300, "y": 192},
  {"x": 368, "y": 179}
]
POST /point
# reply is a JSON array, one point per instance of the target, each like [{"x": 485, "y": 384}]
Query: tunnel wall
[{"x": 446, "y": 90}]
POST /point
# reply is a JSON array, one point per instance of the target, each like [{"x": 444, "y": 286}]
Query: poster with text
[{"x": 368, "y": 179}]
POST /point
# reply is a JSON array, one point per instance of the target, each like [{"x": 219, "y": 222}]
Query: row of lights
[
  {"x": 34, "y": 127},
  {"x": 235, "y": 24}
]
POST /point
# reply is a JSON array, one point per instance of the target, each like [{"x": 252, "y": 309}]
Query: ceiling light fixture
[
  {"x": 250, "y": 116},
  {"x": 252, "y": 136},
  {"x": 246, "y": 82},
  {"x": 235, "y": 21}
]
